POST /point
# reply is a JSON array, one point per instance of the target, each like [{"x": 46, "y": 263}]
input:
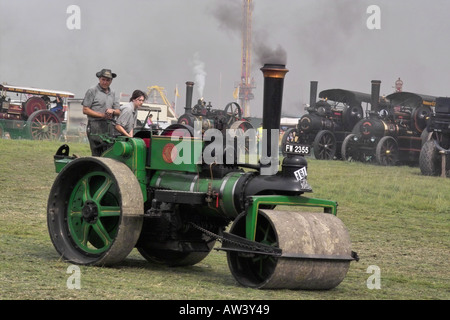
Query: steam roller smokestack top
[
  {"x": 375, "y": 94},
  {"x": 189, "y": 90},
  {"x": 271, "y": 70}
]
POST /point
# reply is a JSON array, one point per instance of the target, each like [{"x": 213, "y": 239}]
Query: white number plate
[{"x": 297, "y": 148}]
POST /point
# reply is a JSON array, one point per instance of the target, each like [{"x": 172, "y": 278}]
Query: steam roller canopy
[{"x": 311, "y": 244}]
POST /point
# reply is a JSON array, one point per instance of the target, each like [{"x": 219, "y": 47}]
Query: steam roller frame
[{"x": 295, "y": 250}]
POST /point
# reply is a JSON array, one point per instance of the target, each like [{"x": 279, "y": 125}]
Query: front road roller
[{"x": 295, "y": 250}]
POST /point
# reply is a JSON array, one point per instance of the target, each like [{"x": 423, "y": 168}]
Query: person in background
[
  {"x": 150, "y": 120},
  {"x": 59, "y": 104},
  {"x": 100, "y": 105},
  {"x": 126, "y": 121}
]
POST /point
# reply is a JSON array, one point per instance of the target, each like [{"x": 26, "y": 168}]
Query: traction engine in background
[
  {"x": 327, "y": 122},
  {"x": 391, "y": 133},
  {"x": 33, "y": 118},
  {"x": 222, "y": 119},
  {"x": 434, "y": 157}
]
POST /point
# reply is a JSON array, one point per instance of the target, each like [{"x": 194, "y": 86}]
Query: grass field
[{"x": 398, "y": 220}]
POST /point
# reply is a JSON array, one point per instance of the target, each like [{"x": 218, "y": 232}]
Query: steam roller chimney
[
  {"x": 273, "y": 95},
  {"x": 313, "y": 94},
  {"x": 189, "y": 90},
  {"x": 375, "y": 95}
]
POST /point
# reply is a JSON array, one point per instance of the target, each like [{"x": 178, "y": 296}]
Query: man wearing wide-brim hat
[{"x": 100, "y": 105}]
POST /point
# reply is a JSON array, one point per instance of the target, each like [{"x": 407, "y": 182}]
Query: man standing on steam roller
[{"x": 100, "y": 105}]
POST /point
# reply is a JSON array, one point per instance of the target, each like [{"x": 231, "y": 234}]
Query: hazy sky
[{"x": 166, "y": 42}]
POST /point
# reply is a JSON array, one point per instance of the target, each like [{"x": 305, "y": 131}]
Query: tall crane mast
[{"x": 247, "y": 84}]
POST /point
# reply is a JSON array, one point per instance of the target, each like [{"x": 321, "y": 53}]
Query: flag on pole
[
  {"x": 177, "y": 94},
  {"x": 236, "y": 93}
]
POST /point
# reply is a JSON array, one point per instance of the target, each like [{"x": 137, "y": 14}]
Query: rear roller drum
[
  {"x": 300, "y": 235},
  {"x": 95, "y": 211}
]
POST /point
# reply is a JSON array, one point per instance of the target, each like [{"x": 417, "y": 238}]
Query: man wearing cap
[{"x": 100, "y": 105}]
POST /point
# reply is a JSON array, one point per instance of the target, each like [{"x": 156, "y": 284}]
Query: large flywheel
[
  {"x": 316, "y": 251},
  {"x": 95, "y": 211}
]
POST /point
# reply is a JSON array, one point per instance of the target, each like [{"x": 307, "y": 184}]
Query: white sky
[{"x": 155, "y": 42}]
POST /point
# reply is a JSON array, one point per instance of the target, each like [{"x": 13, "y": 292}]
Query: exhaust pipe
[
  {"x": 273, "y": 95},
  {"x": 375, "y": 95},
  {"x": 313, "y": 94},
  {"x": 189, "y": 90}
]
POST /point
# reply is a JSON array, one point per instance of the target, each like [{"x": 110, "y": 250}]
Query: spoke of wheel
[
  {"x": 265, "y": 232},
  {"x": 37, "y": 122},
  {"x": 86, "y": 194},
  {"x": 85, "y": 227},
  {"x": 261, "y": 260},
  {"x": 75, "y": 213},
  {"x": 102, "y": 233},
  {"x": 53, "y": 128},
  {"x": 325, "y": 143},
  {"x": 109, "y": 211},
  {"x": 102, "y": 190}
]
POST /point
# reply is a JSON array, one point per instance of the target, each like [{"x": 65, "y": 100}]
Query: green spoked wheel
[
  {"x": 253, "y": 270},
  {"x": 297, "y": 234},
  {"x": 95, "y": 211}
]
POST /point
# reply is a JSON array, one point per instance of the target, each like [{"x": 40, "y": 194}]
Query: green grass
[{"x": 398, "y": 220}]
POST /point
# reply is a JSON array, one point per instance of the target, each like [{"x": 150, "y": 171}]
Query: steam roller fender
[
  {"x": 95, "y": 211},
  {"x": 300, "y": 235}
]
